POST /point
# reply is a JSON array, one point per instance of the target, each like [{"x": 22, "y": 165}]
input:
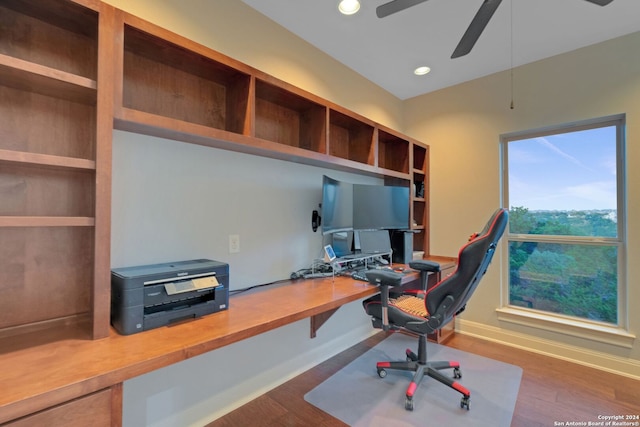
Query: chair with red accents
[{"x": 424, "y": 311}]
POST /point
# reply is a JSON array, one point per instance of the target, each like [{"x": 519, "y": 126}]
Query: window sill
[{"x": 591, "y": 331}]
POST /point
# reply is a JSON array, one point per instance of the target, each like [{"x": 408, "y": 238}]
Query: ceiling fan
[{"x": 475, "y": 29}]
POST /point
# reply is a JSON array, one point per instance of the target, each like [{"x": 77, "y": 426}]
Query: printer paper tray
[
  {"x": 200, "y": 298},
  {"x": 179, "y": 314}
]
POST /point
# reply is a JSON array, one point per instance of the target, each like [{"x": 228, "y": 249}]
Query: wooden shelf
[
  {"x": 350, "y": 138},
  {"x": 150, "y": 124},
  {"x": 32, "y": 190},
  {"x": 393, "y": 151},
  {"x": 137, "y": 121},
  {"x": 419, "y": 207},
  {"x": 46, "y": 221},
  {"x": 177, "y": 89},
  {"x": 168, "y": 80},
  {"x": 419, "y": 159},
  {"x": 60, "y": 35},
  {"x": 46, "y": 160},
  {"x": 46, "y": 267},
  {"x": 287, "y": 118},
  {"x": 39, "y": 124},
  {"x": 32, "y": 77}
]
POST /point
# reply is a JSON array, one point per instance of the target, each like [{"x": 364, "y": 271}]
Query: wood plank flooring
[{"x": 552, "y": 391}]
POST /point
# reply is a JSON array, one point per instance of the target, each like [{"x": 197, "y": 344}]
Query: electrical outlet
[{"x": 234, "y": 243}]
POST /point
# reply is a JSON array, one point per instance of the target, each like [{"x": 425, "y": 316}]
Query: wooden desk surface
[
  {"x": 44, "y": 369},
  {"x": 35, "y": 374}
]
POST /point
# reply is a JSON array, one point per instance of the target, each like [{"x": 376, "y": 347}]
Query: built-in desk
[
  {"x": 40, "y": 376},
  {"x": 76, "y": 381}
]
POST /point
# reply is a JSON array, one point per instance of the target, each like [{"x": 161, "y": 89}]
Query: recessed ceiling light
[
  {"x": 349, "y": 7},
  {"x": 421, "y": 71}
]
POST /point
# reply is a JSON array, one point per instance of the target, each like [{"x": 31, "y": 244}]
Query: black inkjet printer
[{"x": 150, "y": 296}]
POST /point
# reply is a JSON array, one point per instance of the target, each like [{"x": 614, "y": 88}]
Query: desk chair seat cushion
[{"x": 404, "y": 309}]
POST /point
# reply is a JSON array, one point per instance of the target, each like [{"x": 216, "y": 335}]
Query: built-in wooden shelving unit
[
  {"x": 420, "y": 197},
  {"x": 48, "y": 87}
]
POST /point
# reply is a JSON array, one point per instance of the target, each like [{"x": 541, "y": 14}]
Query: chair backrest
[{"x": 473, "y": 260}]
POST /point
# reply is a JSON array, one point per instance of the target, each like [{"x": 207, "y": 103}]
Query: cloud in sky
[
  {"x": 548, "y": 144},
  {"x": 575, "y": 170}
]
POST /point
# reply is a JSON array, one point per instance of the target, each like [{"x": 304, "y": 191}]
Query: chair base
[{"x": 418, "y": 363}]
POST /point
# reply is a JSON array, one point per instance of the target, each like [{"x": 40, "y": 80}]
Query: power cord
[{"x": 238, "y": 291}]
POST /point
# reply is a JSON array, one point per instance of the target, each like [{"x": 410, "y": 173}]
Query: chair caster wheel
[
  {"x": 464, "y": 402},
  {"x": 457, "y": 373},
  {"x": 408, "y": 404},
  {"x": 382, "y": 373}
]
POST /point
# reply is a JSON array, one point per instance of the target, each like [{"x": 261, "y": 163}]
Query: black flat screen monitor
[
  {"x": 378, "y": 207},
  {"x": 348, "y": 207},
  {"x": 337, "y": 206}
]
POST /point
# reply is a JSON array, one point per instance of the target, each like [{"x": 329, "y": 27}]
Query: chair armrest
[
  {"x": 384, "y": 279},
  {"x": 424, "y": 265}
]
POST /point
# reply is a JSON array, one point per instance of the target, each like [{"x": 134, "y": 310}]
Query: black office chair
[{"x": 422, "y": 312}]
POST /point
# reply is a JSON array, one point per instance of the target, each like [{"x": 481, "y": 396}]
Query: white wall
[{"x": 174, "y": 201}]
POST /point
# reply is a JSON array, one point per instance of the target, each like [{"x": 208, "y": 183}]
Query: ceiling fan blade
[
  {"x": 600, "y": 2},
  {"x": 395, "y": 6},
  {"x": 479, "y": 22}
]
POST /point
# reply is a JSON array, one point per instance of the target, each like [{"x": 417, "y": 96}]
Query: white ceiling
[{"x": 387, "y": 50}]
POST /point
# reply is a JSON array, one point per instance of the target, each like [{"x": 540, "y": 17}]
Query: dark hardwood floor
[{"x": 552, "y": 391}]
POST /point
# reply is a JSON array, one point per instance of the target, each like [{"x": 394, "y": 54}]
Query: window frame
[{"x": 594, "y": 330}]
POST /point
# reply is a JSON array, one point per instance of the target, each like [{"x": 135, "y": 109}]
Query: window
[{"x": 566, "y": 242}]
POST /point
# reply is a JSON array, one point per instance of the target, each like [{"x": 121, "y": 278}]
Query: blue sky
[{"x": 568, "y": 171}]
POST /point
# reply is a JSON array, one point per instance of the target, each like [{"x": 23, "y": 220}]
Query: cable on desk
[{"x": 238, "y": 291}]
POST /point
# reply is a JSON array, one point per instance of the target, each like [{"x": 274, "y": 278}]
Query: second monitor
[
  {"x": 372, "y": 241},
  {"x": 348, "y": 207}
]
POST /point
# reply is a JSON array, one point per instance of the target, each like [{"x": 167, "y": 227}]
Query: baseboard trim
[{"x": 602, "y": 361}]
